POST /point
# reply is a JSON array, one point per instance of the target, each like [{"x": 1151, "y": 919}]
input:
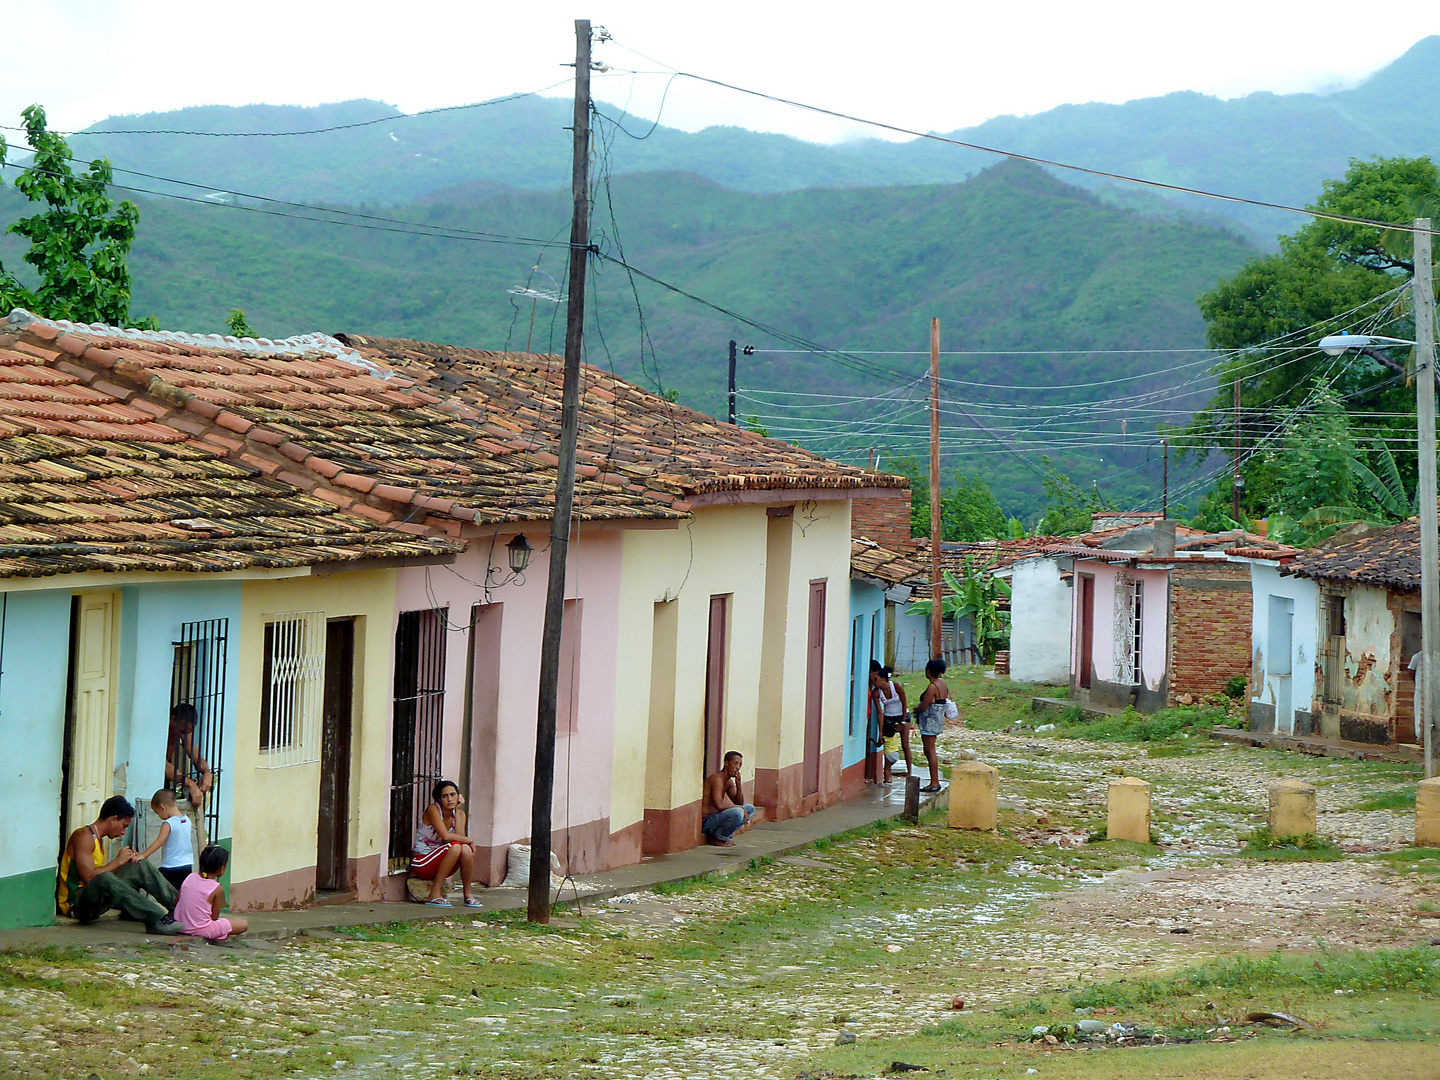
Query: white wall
[
  {"x": 1266, "y": 672},
  {"x": 1040, "y": 621}
]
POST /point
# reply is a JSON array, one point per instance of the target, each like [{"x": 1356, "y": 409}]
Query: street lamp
[
  {"x": 1335, "y": 344},
  {"x": 519, "y": 552}
]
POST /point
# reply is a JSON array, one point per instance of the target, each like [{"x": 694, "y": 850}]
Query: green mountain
[
  {"x": 1011, "y": 259},
  {"x": 1265, "y": 146}
]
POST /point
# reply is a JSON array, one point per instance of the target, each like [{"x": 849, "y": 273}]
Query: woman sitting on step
[{"x": 441, "y": 846}]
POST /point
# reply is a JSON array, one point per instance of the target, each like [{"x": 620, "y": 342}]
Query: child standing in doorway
[{"x": 177, "y": 861}]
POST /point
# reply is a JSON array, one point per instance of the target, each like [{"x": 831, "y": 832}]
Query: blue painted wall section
[
  {"x": 34, "y": 668},
  {"x": 867, "y": 615}
]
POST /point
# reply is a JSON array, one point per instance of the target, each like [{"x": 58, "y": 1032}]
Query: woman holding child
[{"x": 441, "y": 846}]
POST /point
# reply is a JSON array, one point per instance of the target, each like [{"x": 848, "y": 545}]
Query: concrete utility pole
[
  {"x": 1165, "y": 483},
  {"x": 538, "y": 908},
  {"x": 1424, "y": 296},
  {"x": 732, "y": 380},
  {"x": 937, "y": 583}
]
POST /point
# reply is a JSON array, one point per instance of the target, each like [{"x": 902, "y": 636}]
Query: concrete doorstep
[
  {"x": 1319, "y": 746},
  {"x": 766, "y": 839}
]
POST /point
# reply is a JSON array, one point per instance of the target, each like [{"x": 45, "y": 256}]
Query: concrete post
[
  {"x": 974, "y": 792},
  {"x": 1427, "y": 813},
  {"x": 1292, "y": 809},
  {"x": 1128, "y": 816}
]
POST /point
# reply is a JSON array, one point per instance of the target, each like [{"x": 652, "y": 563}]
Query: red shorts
[{"x": 427, "y": 866}]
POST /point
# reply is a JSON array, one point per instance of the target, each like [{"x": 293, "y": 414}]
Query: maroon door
[
  {"x": 1087, "y": 627},
  {"x": 715, "y": 651},
  {"x": 814, "y": 689}
]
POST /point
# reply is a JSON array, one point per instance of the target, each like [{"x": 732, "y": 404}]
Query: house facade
[
  {"x": 1367, "y": 601},
  {"x": 1283, "y": 643}
]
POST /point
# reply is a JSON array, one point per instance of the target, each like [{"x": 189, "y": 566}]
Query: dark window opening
[
  {"x": 418, "y": 724},
  {"x": 196, "y": 744}
]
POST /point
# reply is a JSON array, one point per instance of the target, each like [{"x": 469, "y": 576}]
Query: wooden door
[
  {"x": 814, "y": 689},
  {"x": 1087, "y": 628},
  {"x": 90, "y": 738},
  {"x": 332, "y": 859},
  {"x": 715, "y": 652}
]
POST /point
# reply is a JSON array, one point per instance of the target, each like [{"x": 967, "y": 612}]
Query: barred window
[{"x": 294, "y": 677}]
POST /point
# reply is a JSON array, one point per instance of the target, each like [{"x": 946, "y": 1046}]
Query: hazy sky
[{"x": 934, "y": 66}]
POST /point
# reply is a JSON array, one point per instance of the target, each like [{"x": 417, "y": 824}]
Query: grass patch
[
  {"x": 1131, "y": 726},
  {"x": 1397, "y": 799},
  {"x": 1307, "y": 847},
  {"x": 1419, "y": 860}
]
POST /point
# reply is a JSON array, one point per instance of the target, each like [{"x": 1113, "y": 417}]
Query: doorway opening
[
  {"x": 716, "y": 648},
  {"x": 814, "y": 690},
  {"x": 1087, "y": 629},
  {"x": 332, "y": 856},
  {"x": 418, "y": 711}
]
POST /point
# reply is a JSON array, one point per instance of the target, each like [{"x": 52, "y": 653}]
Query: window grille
[
  {"x": 1127, "y": 629},
  {"x": 197, "y": 680},
  {"x": 418, "y": 719},
  {"x": 294, "y": 681}
]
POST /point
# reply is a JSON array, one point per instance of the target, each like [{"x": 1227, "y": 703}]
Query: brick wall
[
  {"x": 885, "y": 521},
  {"x": 1210, "y": 627}
]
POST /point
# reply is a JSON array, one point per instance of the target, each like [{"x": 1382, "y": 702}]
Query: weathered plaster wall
[
  {"x": 1368, "y": 664},
  {"x": 507, "y": 675},
  {"x": 1040, "y": 622},
  {"x": 1266, "y": 674},
  {"x": 1151, "y": 681}
]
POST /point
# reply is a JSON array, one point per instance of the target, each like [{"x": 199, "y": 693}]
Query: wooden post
[
  {"x": 732, "y": 380},
  {"x": 1235, "y": 480},
  {"x": 538, "y": 903},
  {"x": 912, "y": 799},
  {"x": 937, "y": 583},
  {"x": 1424, "y": 292}
]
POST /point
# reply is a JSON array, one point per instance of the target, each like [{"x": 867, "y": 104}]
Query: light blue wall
[
  {"x": 151, "y": 617},
  {"x": 34, "y": 668},
  {"x": 866, "y": 603}
]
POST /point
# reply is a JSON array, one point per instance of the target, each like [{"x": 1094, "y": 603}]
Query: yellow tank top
[{"x": 69, "y": 883}]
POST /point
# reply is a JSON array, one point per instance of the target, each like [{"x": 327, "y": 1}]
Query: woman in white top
[{"x": 892, "y": 708}]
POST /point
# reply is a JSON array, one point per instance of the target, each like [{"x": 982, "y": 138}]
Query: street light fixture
[
  {"x": 519, "y": 551},
  {"x": 1423, "y": 292}
]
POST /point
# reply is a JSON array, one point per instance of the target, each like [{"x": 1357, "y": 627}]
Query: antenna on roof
[{"x": 550, "y": 295}]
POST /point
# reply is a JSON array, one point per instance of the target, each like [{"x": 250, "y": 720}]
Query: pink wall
[
  {"x": 1153, "y": 619},
  {"x": 507, "y": 676}
]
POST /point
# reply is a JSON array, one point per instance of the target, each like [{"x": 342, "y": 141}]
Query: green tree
[
  {"x": 977, "y": 595},
  {"x": 238, "y": 325},
  {"x": 968, "y": 507},
  {"x": 78, "y": 242},
  {"x": 1322, "y": 270},
  {"x": 1316, "y": 462},
  {"x": 1068, "y": 507}
]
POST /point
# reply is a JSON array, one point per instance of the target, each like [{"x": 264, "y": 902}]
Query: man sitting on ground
[
  {"x": 725, "y": 810},
  {"x": 89, "y": 886}
]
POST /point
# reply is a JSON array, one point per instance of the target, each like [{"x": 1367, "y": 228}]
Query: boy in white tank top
[{"x": 176, "y": 837}]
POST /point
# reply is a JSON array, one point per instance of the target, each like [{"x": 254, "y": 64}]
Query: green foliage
[
  {"x": 1131, "y": 726},
  {"x": 1307, "y": 847},
  {"x": 78, "y": 243},
  {"x": 1068, "y": 507},
  {"x": 975, "y": 595},
  {"x": 752, "y": 423},
  {"x": 1235, "y": 687},
  {"x": 1395, "y": 799},
  {"x": 1316, "y": 466},
  {"x": 1323, "y": 270},
  {"x": 237, "y": 324},
  {"x": 969, "y": 510}
]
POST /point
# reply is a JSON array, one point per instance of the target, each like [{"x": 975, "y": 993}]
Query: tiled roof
[
  {"x": 97, "y": 476},
  {"x": 633, "y": 444},
  {"x": 869, "y": 559},
  {"x": 1389, "y": 558},
  {"x": 1269, "y": 549}
]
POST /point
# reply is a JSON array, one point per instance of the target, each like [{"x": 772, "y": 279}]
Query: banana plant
[{"x": 975, "y": 595}]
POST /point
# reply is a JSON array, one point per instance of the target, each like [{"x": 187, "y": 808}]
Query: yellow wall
[
  {"x": 276, "y": 810},
  {"x": 724, "y": 550}
]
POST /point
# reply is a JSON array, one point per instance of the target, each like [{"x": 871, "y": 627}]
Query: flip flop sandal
[
  {"x": 934, "y": 790},
  {"x": 438, "y": 903},
  {"x": 470, "y": 901}
]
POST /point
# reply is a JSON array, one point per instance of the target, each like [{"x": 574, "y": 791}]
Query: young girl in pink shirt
[{"x": 202, "y": 896}]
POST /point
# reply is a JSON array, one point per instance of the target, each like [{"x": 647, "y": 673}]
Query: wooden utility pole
[
  {"x": 1165, "y": 482},
  {"x": 937, "y": 583},
  {"x": 538, "y": 909},
  {"x": 1235, "y": 480},
  {"x": 1424, "y": 294},
  {"x": 732, "y": 380}
]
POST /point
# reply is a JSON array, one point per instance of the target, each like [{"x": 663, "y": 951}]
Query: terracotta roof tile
[
  {"x": 1388, "y": 558},
  {"x": 869, "y": 559}
]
